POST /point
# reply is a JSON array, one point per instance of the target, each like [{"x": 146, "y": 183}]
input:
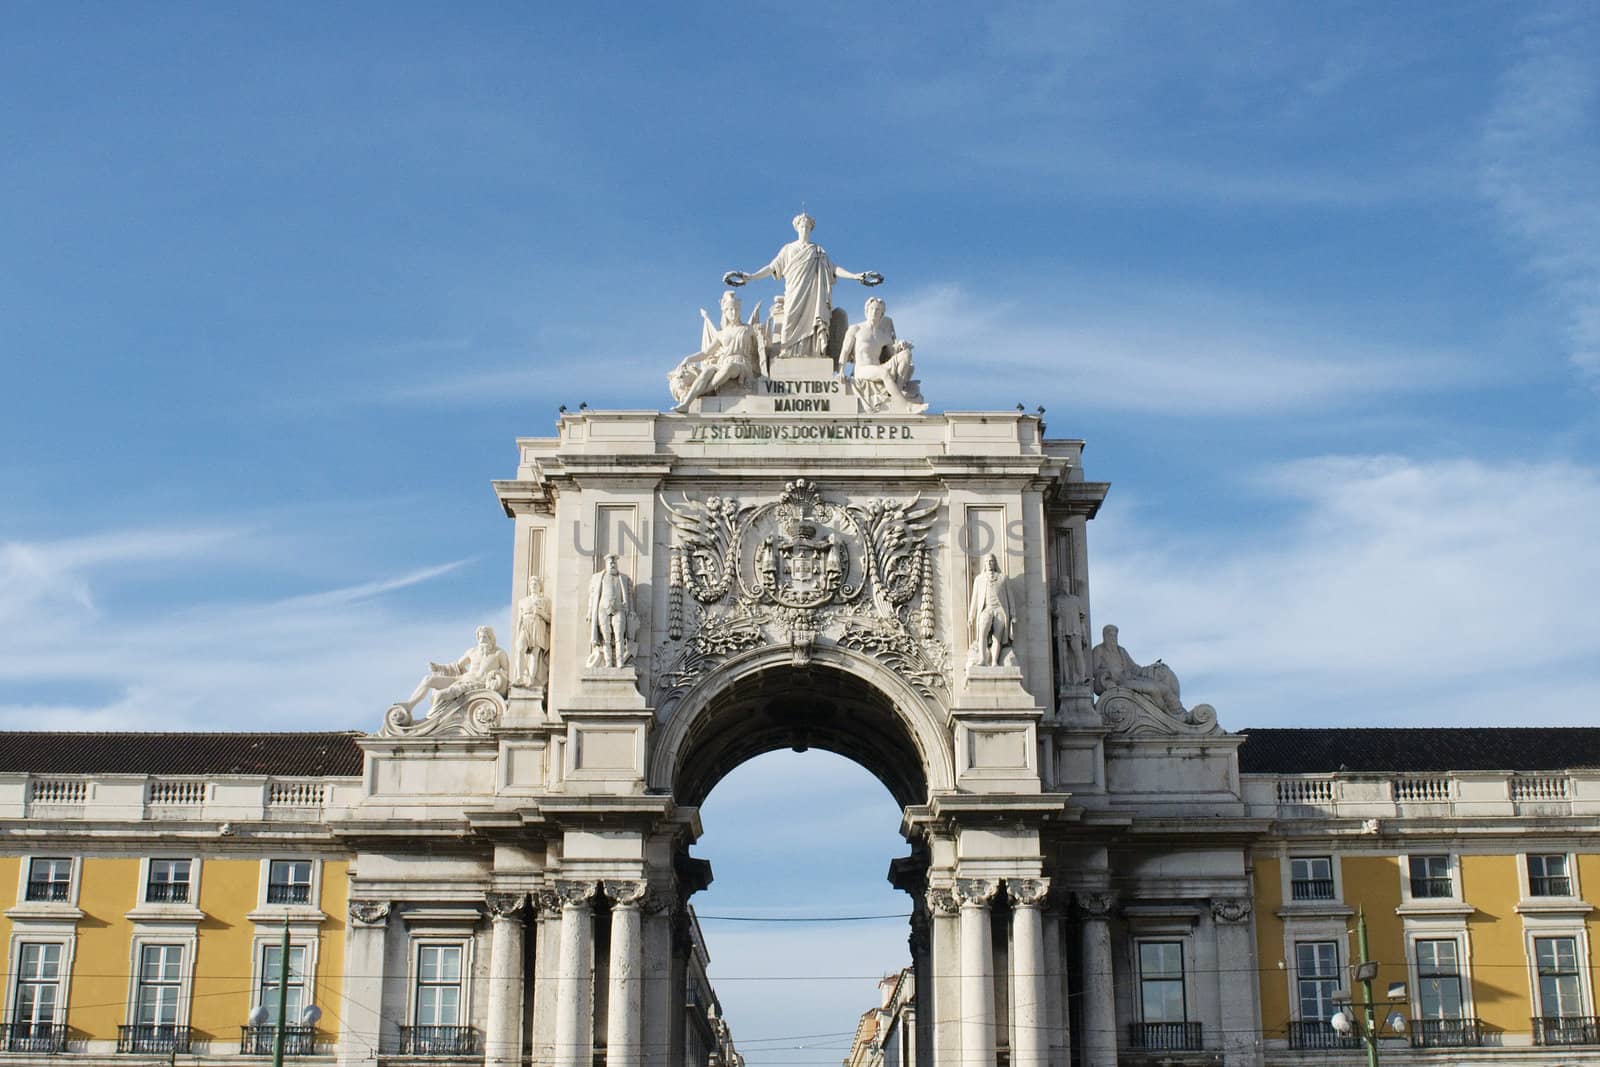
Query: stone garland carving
[
  {"x": 1143, "y": 700},
  {"x": 976, "y": 892},
  {"x": 504, "y": 905},
  {"x": 469, "y": 694},
  {"x": 370, "y": 912},
  {"x": 1230, "y": 909},
  {"x": 941, "y": 901},
  {"x": 1096, "y": 905},
  {"x": 548, "y": 903},
  {"x": 625, "y": 893},
  {"x": 1027, "y": 892},
  {"x": 799, "y": 569}
]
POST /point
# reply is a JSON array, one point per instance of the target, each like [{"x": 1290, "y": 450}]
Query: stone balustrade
[
  {"x": 244, "y": 798},
  {"x": 1458, "y": 794}
]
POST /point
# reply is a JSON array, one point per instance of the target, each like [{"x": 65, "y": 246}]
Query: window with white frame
[
  {"x": 1549, "y": 875},
  {"x": 160, "y": 986},
  {"x": 1430, "y": 877},
  {"x": 1560, "y": 988},
  {"x": 1316, "y": 978},
  {"x": 1311, "y": 878},
  {"x": 1161, "y": 990},
  {"x": 50, "y": 879},
  {"x": 438, "y": 984},
  {"x": 271, "y": 975},
  {"x": 289, "y": 882},
  {"x": 1439, "y": 979},
  {"x": 168, "y": 882},
  {"x": 38, "y": 985}
]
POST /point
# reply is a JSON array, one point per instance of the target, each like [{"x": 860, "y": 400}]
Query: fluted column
[
  {"x": 502, "y": 1037},
  {"x": 1029, "y": 996},
  {"x": 361, "y": 1029},
  {"x": 977, "y": 971},
  {"x": 1099, "y": 981},
  {"x": 625, "y": 1004},
  {"x": 574, "y": 997}
]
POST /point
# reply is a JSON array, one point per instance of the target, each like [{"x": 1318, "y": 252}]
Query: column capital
[
  {"x": 1096, "y": 905},
  {"x": 576, "y": 894},
  {"x": 941, "y": 900},
  {"x": 977, "y": 892},
  {"x": 370, "y": 912},
  {"x": 625, "y": 892},
  {"x": 1027, "y": 892},
  {"x": 1230, "y": 909},
  {"x": 504, "y": 905},
  {"x": 547, "y": 902}
]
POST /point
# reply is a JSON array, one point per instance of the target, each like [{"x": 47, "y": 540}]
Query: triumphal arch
[{"x": 796, "y": 552}]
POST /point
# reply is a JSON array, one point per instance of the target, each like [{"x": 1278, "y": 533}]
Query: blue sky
[{"x": 1320, "y": 285}]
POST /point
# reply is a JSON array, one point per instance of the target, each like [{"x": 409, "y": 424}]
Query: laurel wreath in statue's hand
[
  {"x": 734, "y": 278},
  {"x": 870, "y": 278}
]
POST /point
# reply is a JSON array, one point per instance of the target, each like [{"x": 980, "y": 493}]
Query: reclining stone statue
[
  {"x": 733, "y": 353},
  {"x": 882, "y": 362},
  {"x": 1115, "y": 669},
  {"x": 483, "y": 670}
]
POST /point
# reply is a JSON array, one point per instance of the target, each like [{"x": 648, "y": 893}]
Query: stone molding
[
  {"x": 977, "y": 892},
  {"x": 504, "y": 905},
  {"x": 1027, "y": 892},
  {"x": 370, "y": 912},
  {"x": 1231, "y": 909}
]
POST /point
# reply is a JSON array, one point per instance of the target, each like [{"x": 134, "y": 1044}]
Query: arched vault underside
[{"x": 838, "y": 702}]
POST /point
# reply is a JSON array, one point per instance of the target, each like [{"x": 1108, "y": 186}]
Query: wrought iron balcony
[
  {"x": 258, "y": 1040},
  {"x": 49, "y": 890},
  {"x": 153, "y": 1037},
  {"x": 1422, "y": 888},
  {"x": 1319, "y": 1033},
  {"x": 1556, "y": 885},
  {"x": 1311, "y": 889},
  {"x": 1166, "y": 1037},
  {"x": 288, "y": 893},
  {"x": 1446, "y": 1033},
  {"x": 438, "y": 1041},
  {"x": 167, "y": 892},
  {"x": 33, "y": 1037},
  {"x": 1566, "y": 1030}
]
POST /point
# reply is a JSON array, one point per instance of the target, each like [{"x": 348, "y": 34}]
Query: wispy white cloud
[
  {"x": 1400, "y": 591},
  {"x": 1541, "y": 157},
  {"x": 1181, "y": 355}
]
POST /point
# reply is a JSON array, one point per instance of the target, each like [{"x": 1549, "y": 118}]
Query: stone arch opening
[{"x": 838, "y": 702}]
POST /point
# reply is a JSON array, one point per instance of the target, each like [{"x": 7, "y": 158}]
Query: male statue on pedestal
[
  {"x": 1114, "y": 668},
  {"x": 808, "y": 275},
  {"x": 485, "y": 666},
  {"x": 992, "y": 617},
  {"x": 533, "y": 636},
  {"x": 610, "y": 617},
  {"x": 1072, "y": 634}
]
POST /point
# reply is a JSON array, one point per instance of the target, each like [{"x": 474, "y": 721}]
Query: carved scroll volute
[{"x": 369, "y": 912}]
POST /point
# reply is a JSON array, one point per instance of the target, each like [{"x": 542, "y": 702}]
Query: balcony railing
[
  {"x": 153, "y": 1037},
  {"x": 1319, "y": 1033},
  {"x": 1430, "y": 887},
  {"x": 33, "y": 1037},
  {"x": 438, "y": 1041},
  {"x": 1566, "y": 1030},
  {"x": 1167, "y": 1037},
  {"x": 1445, "y": 1033},
  {"x": 288, "y": 893},
  {"x": 167, "y": 892},
  {"x": 1311, "y": 889},
  {"x": 1555, "y": 885},
  {"x": 258, "y": 1040},
  {"x": 49, "y": 890}
]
